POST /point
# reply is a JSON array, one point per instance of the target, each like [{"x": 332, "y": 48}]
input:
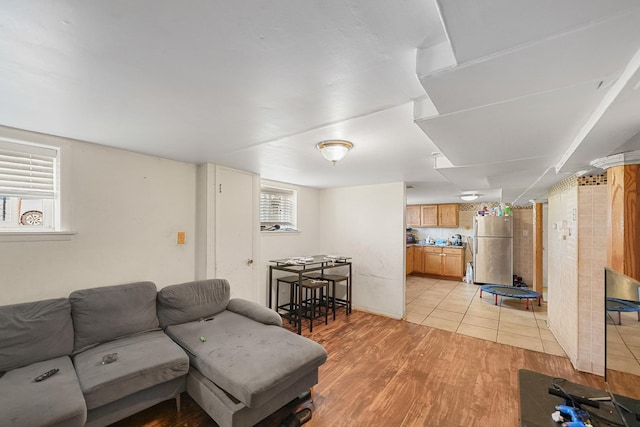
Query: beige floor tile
[
  {"x": 477, "y": 332},
  {"x": 457, "y": 308},
  {"x": 552, "y": 347},
  {"x": 542, "y": 324},
  {"x": 623, "y": 364},
  {"x": 547, "y": 335},
  {"x": 446, "y": 314},
  {"x": 518, "y": 321},
  {"x": 426, "y": 301},
  {"x": 521, "y": 341},
  {"x": 480, "y": 321},
  {"x": 435, "y": 322},
  {"x": 487, "y": 314},
  {"x": 513, "y": 328},
  {"x": 630, "y": 338},
  {"x": 635, "y": 349},
  {"x": 415, "y": 317},
  {"x": 418, "y": 309},
  {"x": 619, "y": 349}
]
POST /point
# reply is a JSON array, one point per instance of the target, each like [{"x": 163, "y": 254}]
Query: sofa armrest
[{"x": 254, "y": 311}]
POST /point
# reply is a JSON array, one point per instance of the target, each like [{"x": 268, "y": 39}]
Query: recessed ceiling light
[{"x": 469, "y": 197}]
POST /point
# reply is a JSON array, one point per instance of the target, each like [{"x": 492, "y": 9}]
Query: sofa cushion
[
  {"x": 254, "y": 311},
  {"x": 110, "y": 312},
  {"x": 56, "y": 401},
  {"x": 191, "y": 301},
  {"x": 34, "y": 331},
  {"x": 143, "y": 360},
  {"x": 249, "y": 360}
]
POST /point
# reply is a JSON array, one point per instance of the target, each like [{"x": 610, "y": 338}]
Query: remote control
[{"x": 46, "y": 375}]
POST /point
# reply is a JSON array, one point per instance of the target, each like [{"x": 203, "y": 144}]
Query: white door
[{"x": 236, "y": 231}]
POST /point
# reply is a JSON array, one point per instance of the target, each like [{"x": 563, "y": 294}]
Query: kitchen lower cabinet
[
  {"x": 418, "y": 259},
  {"x": 432, "y": 261},
  {"x": 436, "y": 261},
  {"x": 410, "y": 258},
  {"x": 452, "y": 262}
]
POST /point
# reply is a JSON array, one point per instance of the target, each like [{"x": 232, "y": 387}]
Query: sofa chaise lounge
[{"x": 231, "y": 355}]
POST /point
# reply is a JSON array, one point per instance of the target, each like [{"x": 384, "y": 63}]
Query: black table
[
  {"x": 536, "y": 404},
  {"x": 306, "y": 265}
]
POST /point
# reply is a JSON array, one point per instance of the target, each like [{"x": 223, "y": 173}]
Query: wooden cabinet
[
  {"x": 439, "y": 261},
  {"x": 429, "y": 215},
  {"x": 448, "y": 215},
  {"x": 432, "y": 261},
  {"x": 418, "y": 259},
  {"x": 410, "y": 258},
  {"x": 452, "y": 262},
  {"x": 413, "y": 216},
  {"x": 432, "y": 215}
]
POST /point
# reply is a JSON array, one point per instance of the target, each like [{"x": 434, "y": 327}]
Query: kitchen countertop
[{"x": 437, "y": 246}]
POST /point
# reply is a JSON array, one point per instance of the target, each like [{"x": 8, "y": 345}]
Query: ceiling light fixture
[
  {"x": 469, "y": 197},
  {"x": 334, "y": 150}
]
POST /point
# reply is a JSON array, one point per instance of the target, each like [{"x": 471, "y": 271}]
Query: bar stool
[
  {"x": 290, "y": 307},
  {"x": 346, "y": 302},
  {"x": 312, "y": 301}
]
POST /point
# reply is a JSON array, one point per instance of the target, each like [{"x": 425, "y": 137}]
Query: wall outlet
[{"x": 182, "y": 237}]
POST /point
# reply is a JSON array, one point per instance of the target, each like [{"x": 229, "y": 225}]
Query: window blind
[
  {"x": 277, "y": 207},
  {"x": 27, "y": 170}
]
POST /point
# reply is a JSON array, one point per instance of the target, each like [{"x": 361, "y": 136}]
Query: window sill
[
  {"x": 36, "y": 236},
  {"x": 278, "y": 232}
]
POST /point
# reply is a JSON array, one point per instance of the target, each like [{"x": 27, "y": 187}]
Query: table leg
[
  {"x": 270, "y": 284},
  {"x": 300, "y": 303},
  {"x": 349, "y": 290}
]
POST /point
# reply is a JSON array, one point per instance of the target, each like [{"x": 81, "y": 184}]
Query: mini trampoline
[
  {"x": 620, "y": 305},
  {"x": 510, "y": 291}
]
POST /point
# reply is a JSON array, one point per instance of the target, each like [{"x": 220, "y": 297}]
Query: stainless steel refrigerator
[{"x": 493, "y": 250}]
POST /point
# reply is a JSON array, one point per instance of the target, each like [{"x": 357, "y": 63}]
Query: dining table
[{"x": 305, "y": 265}]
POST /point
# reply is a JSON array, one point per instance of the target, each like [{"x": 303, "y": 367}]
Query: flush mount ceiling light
[
  {"x": 469, "y": 197},
  {"x": 334, "y": 150}
]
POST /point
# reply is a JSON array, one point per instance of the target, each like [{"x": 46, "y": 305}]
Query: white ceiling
[{"x": 519, "y": 94}]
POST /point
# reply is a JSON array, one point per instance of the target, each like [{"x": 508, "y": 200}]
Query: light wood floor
[{"x": 386, "y": 372}]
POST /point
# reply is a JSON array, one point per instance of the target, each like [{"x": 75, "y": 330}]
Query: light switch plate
[{"x": 182, "y": 238}]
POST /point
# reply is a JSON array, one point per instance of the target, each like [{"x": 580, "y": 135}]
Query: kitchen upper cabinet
[
  {"x": 429, "y": 215},
  {"x": 432, "y": 215},
  {"x": 413, "y": 216},
  {"x": 448, "y": 215}
]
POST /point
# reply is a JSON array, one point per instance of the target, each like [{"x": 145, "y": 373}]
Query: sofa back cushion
[
  {"x": 110, "y": 312},
  {"x": 34, "y": 331},
  {"x": 191, "y": 301}
]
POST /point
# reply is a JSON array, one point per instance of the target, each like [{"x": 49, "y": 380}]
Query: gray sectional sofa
[{"x": 232, "y": 356}]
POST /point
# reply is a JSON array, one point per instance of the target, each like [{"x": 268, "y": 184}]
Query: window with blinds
[
  {"x": 278, "y": 209},
  {"x": 28, "y": 185}
]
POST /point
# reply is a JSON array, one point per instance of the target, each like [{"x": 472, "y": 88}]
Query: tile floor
[
  {"x": 623, "y": 343},
  {"x": 457, "y": 307}
]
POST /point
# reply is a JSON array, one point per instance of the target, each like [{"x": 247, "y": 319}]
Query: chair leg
[{"x": 326, "y": 307}]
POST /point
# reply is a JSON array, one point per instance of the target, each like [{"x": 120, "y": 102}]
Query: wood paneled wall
[{"x": 623, "y": 252}]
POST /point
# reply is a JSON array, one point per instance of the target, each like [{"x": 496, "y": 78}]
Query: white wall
[
  {"x": 367, "y": 223},
  {"x": 126, "y": 209},
  {"x": 284, "y": 245},
  {"x": 563, "y": 270}
]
